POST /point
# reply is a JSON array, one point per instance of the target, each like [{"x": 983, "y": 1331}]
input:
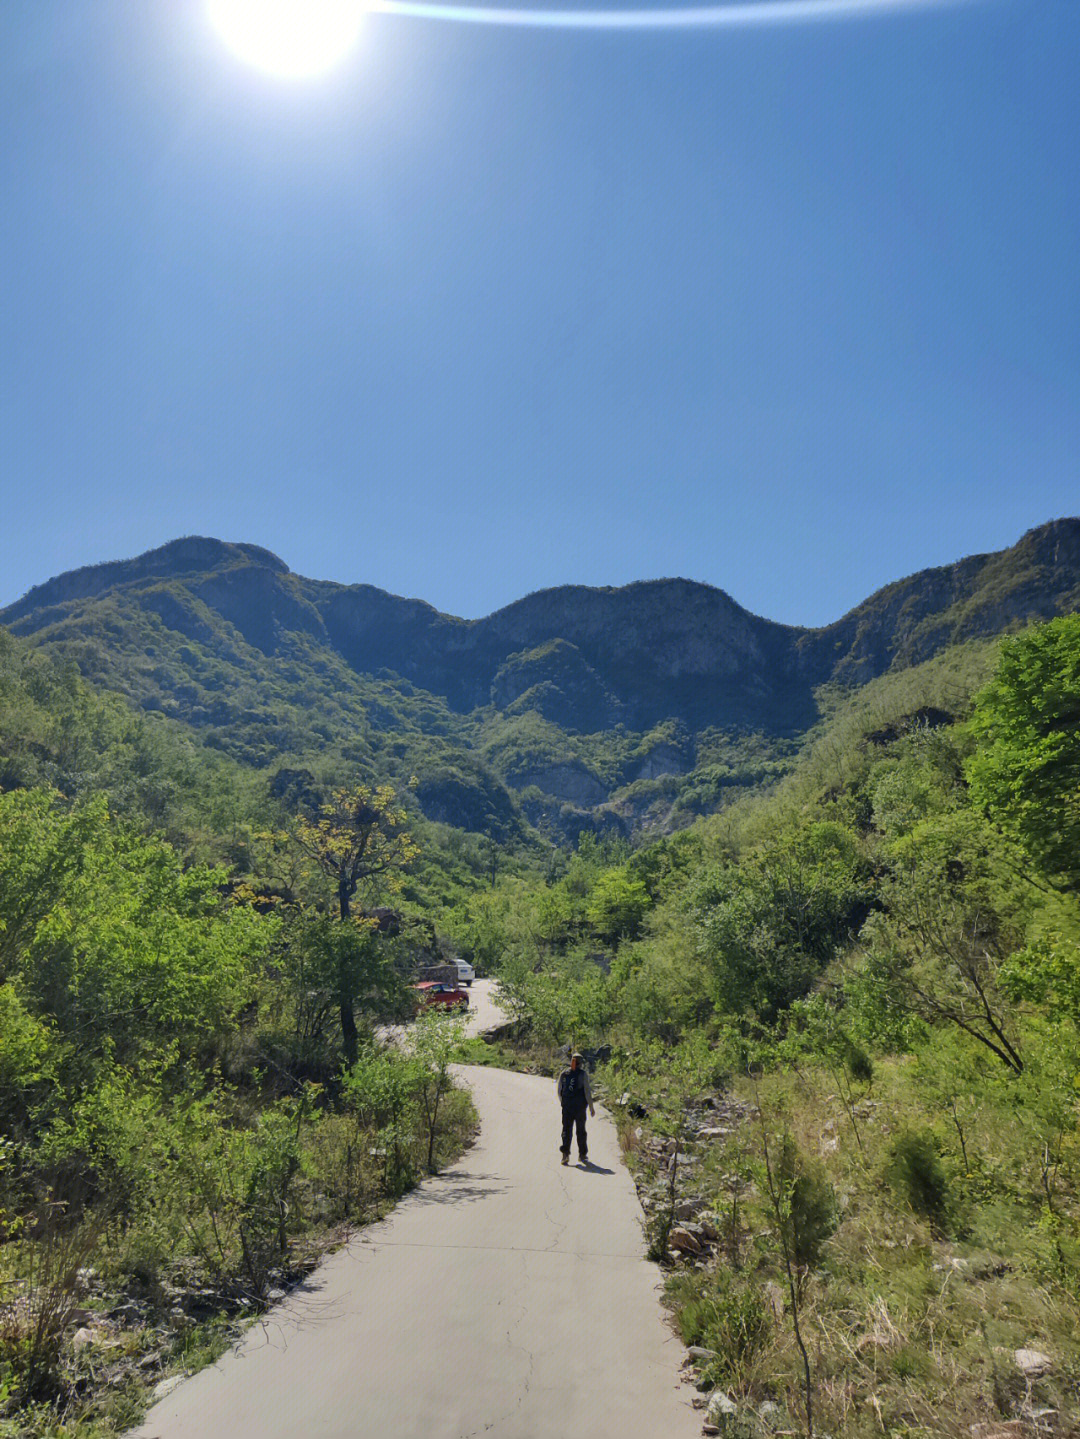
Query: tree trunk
[{"x": 350, "y": 1040}]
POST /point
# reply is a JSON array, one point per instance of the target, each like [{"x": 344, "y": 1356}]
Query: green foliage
[
  {"x": 617, "y": 905},
  {"x": 771, "y": 924},
  {"x": 1026, "y": 770},
  {"x": 109, "y": 942},
  {"x": 952, "y": 911},
  {"x": 807, "y": 1203},
  {"x": 917, "y": 1173},
  {"x": 728, "y": 1315}
]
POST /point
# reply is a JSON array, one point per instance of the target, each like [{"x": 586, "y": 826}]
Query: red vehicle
[{"x": 445, "y": 994}]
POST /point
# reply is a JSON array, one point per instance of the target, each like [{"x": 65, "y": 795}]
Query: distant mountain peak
[{"x": 189, "y": 555}]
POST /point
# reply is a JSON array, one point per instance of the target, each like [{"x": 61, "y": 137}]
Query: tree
[
  {"x": 1026, "y": 771},
  {"x": 322, "y": 958},
  {"x": 953, "y": 911},
  {"x": 359, "y": 840},
  {"x": 770, "y": 925},
  {"x": 617, "y": 905},
  {"x": 435, "y": 1040}
]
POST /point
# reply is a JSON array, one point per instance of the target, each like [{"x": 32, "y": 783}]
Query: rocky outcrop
[{"x": 570, "y": 781}]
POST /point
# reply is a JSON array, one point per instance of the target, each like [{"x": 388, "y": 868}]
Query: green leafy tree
[
  {"x": 106, "y": 935},
  {"x": 770, "y": 925},
  {"x": 359, "y": 841},
  {"x": 953, "y": 910},
  {"x": 1026, "y": 770},
  {"x": 434, "y": 1041},
  {"x": 617, "y": 905}
]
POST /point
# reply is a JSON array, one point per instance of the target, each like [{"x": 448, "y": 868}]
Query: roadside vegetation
[{"x": 195, "y": 1102}]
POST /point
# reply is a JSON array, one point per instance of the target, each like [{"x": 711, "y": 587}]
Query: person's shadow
[{"x": 591, "y": 1168}]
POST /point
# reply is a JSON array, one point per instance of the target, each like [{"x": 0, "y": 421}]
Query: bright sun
[{"x": 291, "y": 38}]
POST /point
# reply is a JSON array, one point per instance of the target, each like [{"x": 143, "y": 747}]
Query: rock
[
  {"x": 721, "y": 1410},
  {"x": 82, "y": 1339},
  {"x": 710, "y": 1225},
  {"x": 698, "y": 1351},
  {"x": 689, "y": 1208},
  {"x": 1033, "y": 1364},
  {"x": 770, "y": 1413},
  {"x": 166, "y": 1386},
  {"x": 989, "y": 1266},
  {"x": 682, "y": 1240},
  {"x": 625, "y": 1100},
  {"x": 708, "y": 1427}
]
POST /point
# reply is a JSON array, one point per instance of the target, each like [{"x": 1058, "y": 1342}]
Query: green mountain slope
[{"x": 571, "y": 708}]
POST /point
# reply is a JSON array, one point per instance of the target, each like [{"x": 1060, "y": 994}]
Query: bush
[
  {"x": 809, "y": 1204},
  {"x": 917, "y": 1173},
  {"x": 731, "y": 1318}
]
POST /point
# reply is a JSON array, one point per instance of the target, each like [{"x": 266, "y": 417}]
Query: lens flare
[
  {"x": 742, "y": 14},
  {"x": 294, "y": 39}
]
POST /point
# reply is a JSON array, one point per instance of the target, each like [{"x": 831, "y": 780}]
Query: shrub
[
  {"x": 731, "y": 1318},
  {"x": 917, "y": 1173},
  {"x": 809, "y": 1206}
]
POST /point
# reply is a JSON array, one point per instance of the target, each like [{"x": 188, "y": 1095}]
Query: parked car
[
  {"x": 466, "y": 973},
  {"x": 452, "y": 996}
]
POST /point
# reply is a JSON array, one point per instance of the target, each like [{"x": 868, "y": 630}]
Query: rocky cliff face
[{"x": 585, "y": 659}]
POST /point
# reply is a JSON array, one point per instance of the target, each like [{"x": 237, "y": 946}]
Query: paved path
[
  {"x": 507, "y": 1298},
  {"x": 484, "y": 1013}
]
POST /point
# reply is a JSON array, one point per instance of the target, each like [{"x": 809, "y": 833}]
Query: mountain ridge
[
  {"x": 571, "y": 694},
  {"x": 189, "y": 554}
]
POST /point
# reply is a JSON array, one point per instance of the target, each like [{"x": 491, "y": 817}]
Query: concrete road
[
  {"x": 506, "y": 1298},
  {"x": 484, "y": 1013}
]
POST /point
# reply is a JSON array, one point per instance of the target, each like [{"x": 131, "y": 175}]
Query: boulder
[
  {"x": 722, "y": 1411},
  {"x": 711, "y": 1225},
  {"x": 690, "y": 1207},
  {"x": 683, "y": 1241},
  {"x": 1032, "y": 1363}
]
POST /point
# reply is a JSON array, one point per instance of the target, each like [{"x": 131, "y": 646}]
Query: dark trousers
[{"x": 570, "y": 1118}]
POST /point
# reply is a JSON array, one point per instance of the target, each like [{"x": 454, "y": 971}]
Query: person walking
[{"x": 575, "y": 1096}]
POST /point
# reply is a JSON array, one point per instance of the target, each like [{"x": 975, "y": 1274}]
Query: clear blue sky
[{"x": 792, "y": 310}]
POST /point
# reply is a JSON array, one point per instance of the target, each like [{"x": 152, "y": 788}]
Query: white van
[{"x": 465, "y": 971}]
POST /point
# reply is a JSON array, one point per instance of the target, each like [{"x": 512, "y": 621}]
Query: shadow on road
[
  {"x": 456, "y": 1187},
  {"x": 590, "y": 1168}
]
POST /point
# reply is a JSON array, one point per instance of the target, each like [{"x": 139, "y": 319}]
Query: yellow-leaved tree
[{"x": 361, "y": 842}]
